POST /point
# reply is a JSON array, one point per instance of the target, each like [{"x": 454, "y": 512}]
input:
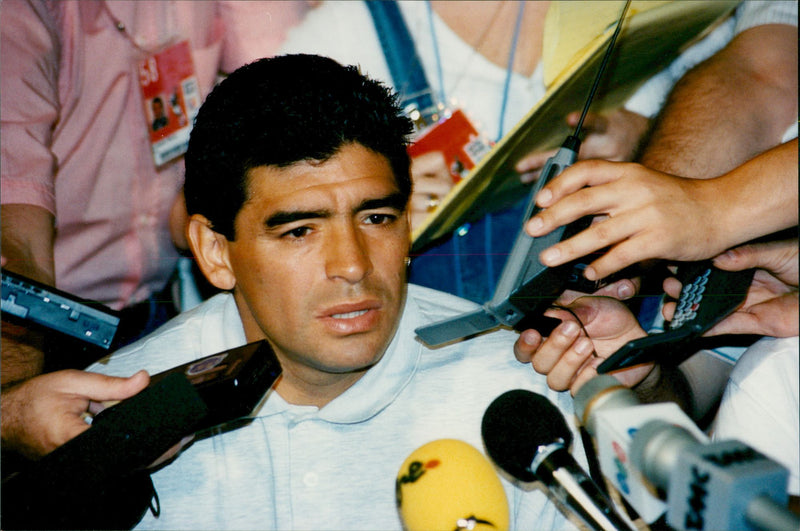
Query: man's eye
[
  {"x": 298, "y": 232},
  {"x": 380, "y": 219}
]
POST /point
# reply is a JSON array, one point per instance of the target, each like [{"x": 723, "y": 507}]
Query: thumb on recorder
[{"x": 771, "y": 306}]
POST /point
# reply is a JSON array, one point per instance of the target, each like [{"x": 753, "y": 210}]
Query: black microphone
[{"x": 527, "y": 436}]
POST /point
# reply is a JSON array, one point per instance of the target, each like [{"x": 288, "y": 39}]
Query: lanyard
[
  {"x": 509, "y": 66},
  {"x": 405, "y": 65},
  {"x": 487, "y": 220},
  {"x": 401, "y": 55}
]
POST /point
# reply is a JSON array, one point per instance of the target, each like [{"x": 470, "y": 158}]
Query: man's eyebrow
[
  {"x": 394, "y": 200},
  {"x": 283, "y": 217}
]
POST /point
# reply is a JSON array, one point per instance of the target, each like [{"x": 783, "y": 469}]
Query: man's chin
[
  {"x": 350, "y": 362},
  {"x": 353, "y": 354}
]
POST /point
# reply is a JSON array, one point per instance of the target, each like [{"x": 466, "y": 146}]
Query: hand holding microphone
[{"x": 448, "y": 484}]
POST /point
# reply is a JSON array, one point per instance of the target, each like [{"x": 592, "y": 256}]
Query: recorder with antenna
[{"x": 527, "y": 288}]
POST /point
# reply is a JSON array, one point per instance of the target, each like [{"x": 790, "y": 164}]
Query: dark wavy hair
[{"x": 283, "y": 110}]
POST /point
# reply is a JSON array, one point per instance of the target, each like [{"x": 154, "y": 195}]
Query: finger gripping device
[{"x": 527, "y": 288}]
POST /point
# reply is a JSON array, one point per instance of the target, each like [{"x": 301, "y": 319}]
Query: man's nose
[{"x": 347, "y": 256}]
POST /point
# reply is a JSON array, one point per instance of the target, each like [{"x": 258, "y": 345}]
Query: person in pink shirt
[{"x": 87, "y": 189}]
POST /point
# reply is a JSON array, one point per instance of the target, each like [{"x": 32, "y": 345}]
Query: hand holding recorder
[
  {"x": 771, "y": 306},
  {"x": 651, "y": 214},
  {"x": 592, "y": 329},
  {"x": 42, "y": 413}
]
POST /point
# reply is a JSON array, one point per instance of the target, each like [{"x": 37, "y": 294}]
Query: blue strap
[
  {"x": 401, "y": 55},
  {"x": 509, "y": 71},
  {"x": 439, "y": 73}
]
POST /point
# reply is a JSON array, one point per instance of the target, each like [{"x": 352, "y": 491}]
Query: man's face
[{"x": 319, "y": 263}]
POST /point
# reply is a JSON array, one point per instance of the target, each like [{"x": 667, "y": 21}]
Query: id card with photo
[
  {"x": 171, "y": 99},
  {"x": 458, "y": 140}
]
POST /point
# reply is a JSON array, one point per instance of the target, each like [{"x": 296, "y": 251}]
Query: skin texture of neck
[{"x": 488, "y": 27}]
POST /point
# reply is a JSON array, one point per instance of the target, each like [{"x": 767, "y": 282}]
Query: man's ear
[{"x": 210, "y": 249}]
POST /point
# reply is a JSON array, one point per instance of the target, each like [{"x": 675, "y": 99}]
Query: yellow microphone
[{"x": 448, "y": 485}]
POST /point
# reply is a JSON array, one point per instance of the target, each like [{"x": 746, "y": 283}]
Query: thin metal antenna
[
  {"x": 523, "y": 288},
  {"x": 599, "y": 75}
]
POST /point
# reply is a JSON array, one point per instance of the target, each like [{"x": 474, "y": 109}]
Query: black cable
[
  {"x": 577, "y": 319},
  {"x": 599, "y": 75}
]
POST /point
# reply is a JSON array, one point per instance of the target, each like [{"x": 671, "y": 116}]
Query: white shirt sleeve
[
  {"x": 761, "y": 404},
  {"x": 651, "y": 96},
  {"x": 757, "y": 13}
]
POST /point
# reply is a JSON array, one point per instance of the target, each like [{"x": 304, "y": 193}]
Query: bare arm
[
  {"x": 178, "y": 220},
  {"x": 28, "y": 72},
  {"x": 27, "y": 243},
  {"x": 724, "y": 112},
  {"x": 22, "y": 356},
  {"x": 729, "y": 108}
]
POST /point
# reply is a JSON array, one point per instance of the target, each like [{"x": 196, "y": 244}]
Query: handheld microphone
[
  {"x": 447, "y": 484},
  {"x": 528, "y": 437},
  {"x": 611, "y": 413},
  {"x": 720, "y": 485}
]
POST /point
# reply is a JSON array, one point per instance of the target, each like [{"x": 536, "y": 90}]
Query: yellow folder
[{"x": 576, "y": 36}]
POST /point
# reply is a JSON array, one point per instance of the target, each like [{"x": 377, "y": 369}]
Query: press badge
[
  {"x": 171, "y": 99},
  {"x": 459, "y": 141}
]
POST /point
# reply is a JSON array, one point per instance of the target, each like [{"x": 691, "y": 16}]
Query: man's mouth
[
  {"x": 349, "y": 315},
  {"x": 352, "y": 317}
]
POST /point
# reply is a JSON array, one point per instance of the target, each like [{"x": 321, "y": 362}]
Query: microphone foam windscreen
[
  {"x": 515, "y": 424},
  {"x": 448, "y": 484}
]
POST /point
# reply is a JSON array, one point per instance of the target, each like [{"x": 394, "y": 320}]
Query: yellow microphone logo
[{"x": 448, "y": 485}]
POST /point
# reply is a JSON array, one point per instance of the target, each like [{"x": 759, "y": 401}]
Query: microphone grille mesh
[{"x": 515, "y": 424}]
